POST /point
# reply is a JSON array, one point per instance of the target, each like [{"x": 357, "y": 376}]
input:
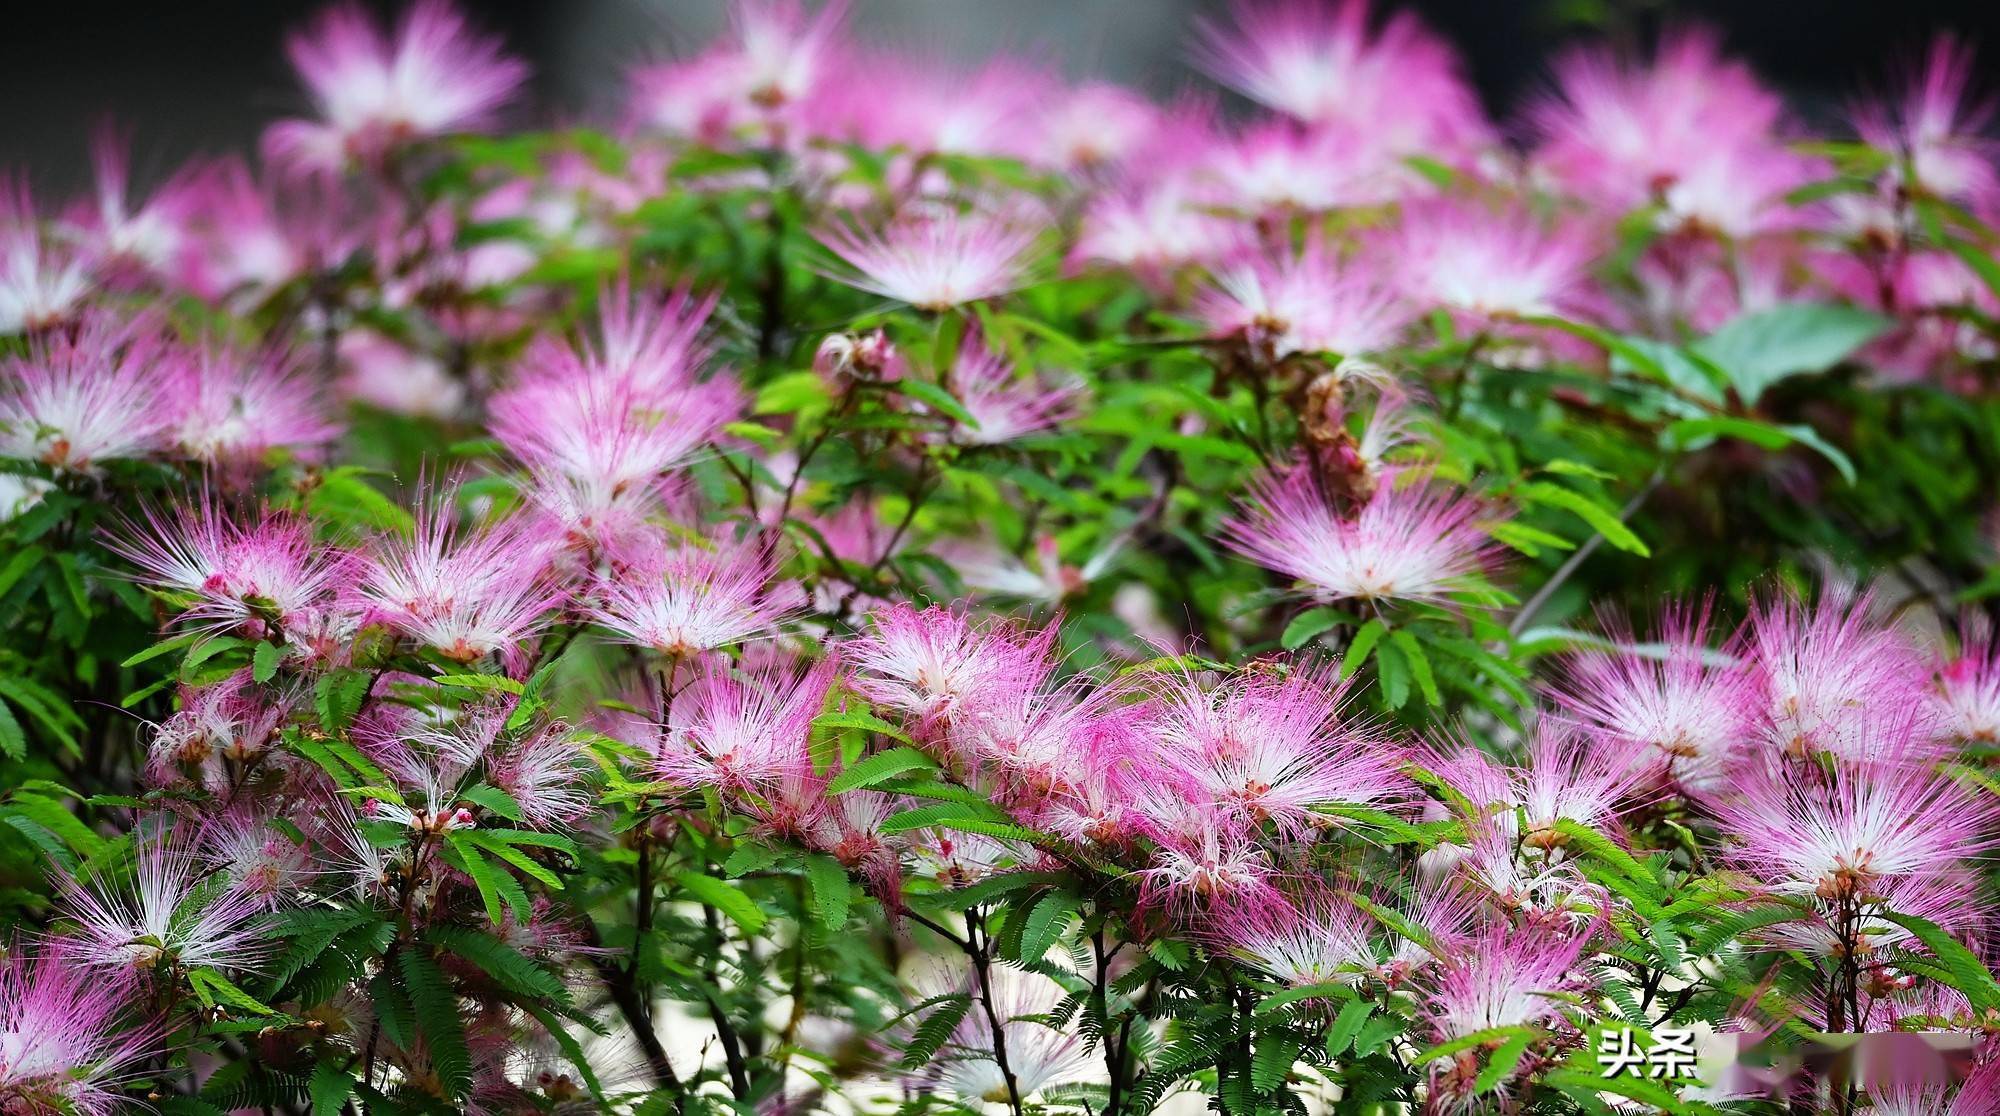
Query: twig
[{"x": 1576, "y": 560}]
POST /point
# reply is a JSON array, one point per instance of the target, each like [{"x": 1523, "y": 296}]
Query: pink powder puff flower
[
  {"x": 1572, "y": 776},
  {"x": 1411, "y": 542},
  {"x": 237, "y": 407},
  {"x": 168, "y": 914},
  {"x": 1029, "y": 735},
  {"x": 741, "y": 731},
  {"x": 118, "y": 236},
  {"x": 71, "y": 1042},
  {"x": 256, "y": 856},
  {"x": 1446, "y": 915},
  {"x": 1319, "y": 937},
  {"x": 1262, "y": 749},
  {"x": 1968, "y": 697},
  {"x": 655, "y": 343},
  {"x": 1741, "y": 193},
  {"x": 936, "y": 663},
  {"x": 610, "y": 437},
  {"x": 1276, "y": 168},
  {"x": 1153, "y": 228},
  {"x": 464, "y": 593},
  {"x": 41, "y": 282},
  {"x": 696, "y": 598},
  {"x": 547, "y": 774},
  {"x": 375, "y": 92},
  {"x": 1096, "y": 803},
  {"x": 1303, "y": 301},
  {"x": 1096, "y": 126},
  {"x": 599, "y": 423},
  {"x": 1856, "y": 837},
  {"x": 1832, "y": 679},
  {"x": 218, "y": 730},
  {"x": 931, "y": 107},
  {"x": 252, "y": 573},
  {"x": 1938, "y": 126},
  {"x": 848, "y": 828},
  {"x": 696, "y": 99},
  {"x": 935, "y": 262},
  {"x": 430, "y": 763},
  {"x": 1505, "y": 977},
  {"x": 1692, "y": 706},
  {"x": 1935, "y": 339},
  {"x": 79, "y": 398},
  {"x": 1203, "y": 853},
  {"x": 1565, "y": 775},
  {"x": 756, "y": 84},
  {"x": 1323, "y": 63},
  {"x": 388, "y": 375},
  {"x": 238, "y": 241},
  {"x": 1489, "y": 264},
  {"x": 1003, "y": 406},
  {"x": 1620, "y": 133},
  {"x": 1908, "y": 1090}
]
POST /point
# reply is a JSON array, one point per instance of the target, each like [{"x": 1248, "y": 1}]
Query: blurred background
[{"x": 206, "y": 75}]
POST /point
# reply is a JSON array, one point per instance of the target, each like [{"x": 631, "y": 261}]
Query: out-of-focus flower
[
  {"x": 41, "y": 282},
  {"x": 1043, "y": 576},
  {"x": 1039, "y": 1056},
  {"x": 1003, "y": 405},
  {"x": 238, "y": 240},
  {"x": 1153, "y": 228},
  {"x": 236, "y": 407},
  {"x": 933, "y": 107},
  {"x": 1323, "y": 63},
  {"x": 376, "y": 93},
  {"x": 1096, "y": 126},
  {"x": 387, "y": 374},
  {"x": 758, "y": 84},
  {"x": 1276, "y": 169},
  {"x": 1621, "y": 133},
  {"x": 1938, "y": 126},
  {"x": 118, "y": 235}
]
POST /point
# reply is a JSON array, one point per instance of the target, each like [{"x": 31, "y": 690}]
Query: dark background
[{"x": 206, "y": 75}]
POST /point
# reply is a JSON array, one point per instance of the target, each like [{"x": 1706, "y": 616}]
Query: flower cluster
[{"x": 869, "y": 584}]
